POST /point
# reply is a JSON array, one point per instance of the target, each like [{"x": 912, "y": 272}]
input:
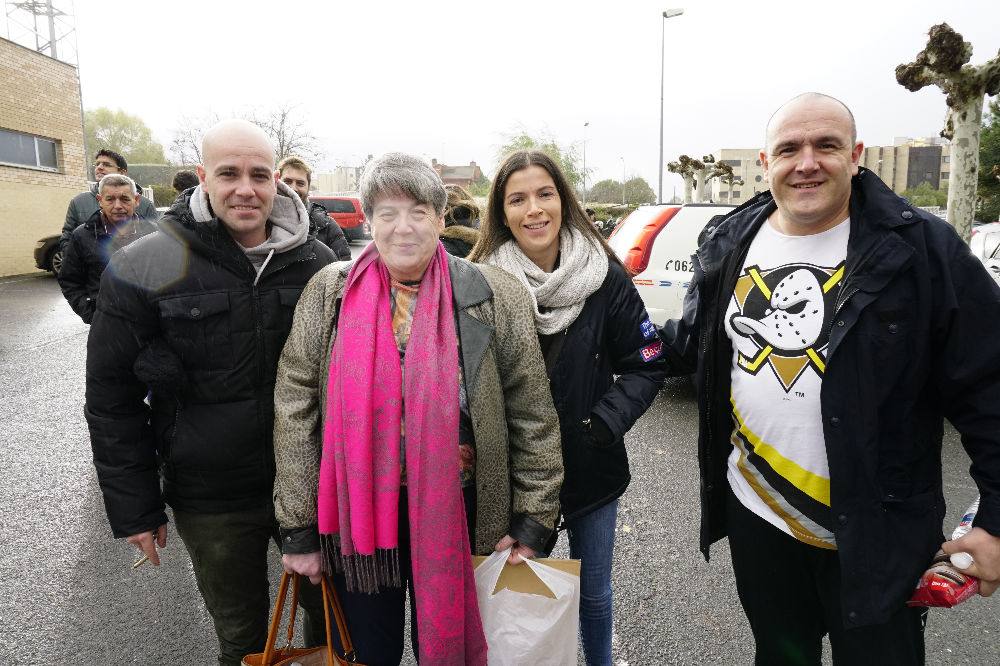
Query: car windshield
[{"x": 336, "y": 205}]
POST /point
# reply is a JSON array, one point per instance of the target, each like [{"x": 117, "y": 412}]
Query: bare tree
[
  {"x": 288, "y": 133},
  {"x": 944, "y": 63},
  {"x": 724, "y": 172},
  {"x": 702, "y": 175},
  {"x": 185, "y": 146},
  {"x": 686, "y": 167}
]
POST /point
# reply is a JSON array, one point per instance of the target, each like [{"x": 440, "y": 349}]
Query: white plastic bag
[{"x": 526, "y": 628}]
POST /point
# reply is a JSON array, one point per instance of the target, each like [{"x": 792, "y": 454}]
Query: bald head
[
  {"x": 238, "y": 177},
  {"x": 812, "y": 101},
  {"x": 241, "y": 136}
]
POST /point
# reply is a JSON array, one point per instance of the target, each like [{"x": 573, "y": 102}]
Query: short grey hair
[
  {"x": 116, "y": 180},
  {"x": 399, "y": 173}
]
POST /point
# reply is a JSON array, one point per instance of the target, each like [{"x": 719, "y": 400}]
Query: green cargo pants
[{"x": 229, "y": 554}]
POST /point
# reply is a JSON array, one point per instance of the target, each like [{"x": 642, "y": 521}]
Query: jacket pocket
[{"x": 198, "y": 327}]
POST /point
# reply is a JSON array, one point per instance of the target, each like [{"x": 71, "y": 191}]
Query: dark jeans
[
  {"x": 790, "y": 592},
  {"x": 376, "y": 622},
  {"x": 229, "y": 554}
]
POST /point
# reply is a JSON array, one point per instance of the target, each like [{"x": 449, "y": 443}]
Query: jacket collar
[{"x": 468, "y": 286}]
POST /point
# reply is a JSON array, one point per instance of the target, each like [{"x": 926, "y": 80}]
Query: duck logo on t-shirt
[{"x": 786, "y": 312}]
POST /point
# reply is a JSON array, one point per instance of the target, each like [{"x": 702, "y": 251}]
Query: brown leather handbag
[{"x": 317, "y": 656}]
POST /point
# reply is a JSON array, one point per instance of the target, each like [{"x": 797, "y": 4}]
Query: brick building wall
[{"x": 39, "y": 96}]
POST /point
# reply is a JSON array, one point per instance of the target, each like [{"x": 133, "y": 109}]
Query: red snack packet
[{"x": 943, "y": 586}]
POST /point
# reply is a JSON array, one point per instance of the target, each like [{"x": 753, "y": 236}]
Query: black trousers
[
  {"x": 790, "y": 592},
  {"x": 377, "y": 621}
]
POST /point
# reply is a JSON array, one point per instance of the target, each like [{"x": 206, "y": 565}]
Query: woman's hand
[
  {"x": 305, "y": 564},
  {"x": 518, "y": 552}
]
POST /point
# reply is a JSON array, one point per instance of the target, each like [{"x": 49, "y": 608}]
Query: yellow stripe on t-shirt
[{"x": 813, "y": 485}]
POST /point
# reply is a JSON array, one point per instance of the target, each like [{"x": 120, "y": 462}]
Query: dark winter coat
[
  {"x": 84, "y": 205},
  {"x": 182, "y": 311},
  {"x": 912, "y": 341},
  {"x": 458, "y": 240},
  {"x": 328, "y": 232},
  {"x": 611, "y": 336},
  {"x": 85, "y": 258}
]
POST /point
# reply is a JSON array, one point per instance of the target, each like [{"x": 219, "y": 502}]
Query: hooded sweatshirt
[{"x": 288, "y": 222}]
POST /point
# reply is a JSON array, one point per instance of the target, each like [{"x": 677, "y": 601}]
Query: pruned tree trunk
[
  {"x": 699, "y": 185},
  {"x": 688, "y": 185},
  {"x": 944, "y": 63},
  {"x": 966, "y": 123}
]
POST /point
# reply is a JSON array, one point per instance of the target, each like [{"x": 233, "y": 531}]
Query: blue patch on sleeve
[{"x": 648, "y": 329}]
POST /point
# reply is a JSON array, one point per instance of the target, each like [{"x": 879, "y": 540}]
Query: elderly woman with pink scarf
[{"x": 413, "y": 427}]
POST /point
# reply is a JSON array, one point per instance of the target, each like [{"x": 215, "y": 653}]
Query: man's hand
[
  {"x": 305, "y": 564},
  {"x": 985, "y": 551},
  {"x": 147, "y": 542},
  {"x": 518, "y": 553}
]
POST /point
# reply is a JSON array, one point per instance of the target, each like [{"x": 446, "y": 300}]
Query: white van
[{"x": 656, "y": 243}]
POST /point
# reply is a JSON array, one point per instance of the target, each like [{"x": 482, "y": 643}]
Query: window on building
[
  {"x": 944, "y": 175},
  {"x": 733, "y": 163},
  {"x": 946, "y": 159},
  {"x": 758, "y": 162},
  {"x": 723, "y": 195},
  {"x": 27, "y": 150},
  {"x": 757, "y": 179},
  {"x": 736, "y": 194}
]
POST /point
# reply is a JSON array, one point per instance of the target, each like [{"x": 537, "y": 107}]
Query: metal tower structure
[{"x": 47, "y": 26}]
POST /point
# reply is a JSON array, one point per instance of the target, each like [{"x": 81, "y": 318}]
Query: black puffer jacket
[
  {"x": 89, "y": 250},
  {"x": 912, "y": 341},
  {"x": 189, "y": 292},
  {"x": 611, "y": 336},
  {"x": 328, "y": 232}
]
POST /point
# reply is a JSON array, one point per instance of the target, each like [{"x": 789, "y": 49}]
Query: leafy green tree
[
  {"x": 565, "y": 156},
  {"x": 924, "y": 194},
  {"x": 605, "y": 191},
  {"x": 988, "y": 191},
  {"x": 481, "y": 188},
  {"x": 638, "y": 191},
  {"x": 122, "y": 133}
]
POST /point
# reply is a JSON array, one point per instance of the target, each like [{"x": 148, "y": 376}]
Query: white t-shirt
[{"x": 778, "y": 320}]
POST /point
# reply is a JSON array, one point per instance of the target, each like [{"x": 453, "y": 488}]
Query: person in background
[
  {"x": 84, "y": 205},
  {"x": 184, "y": 180},
  {"x": 413, "y": 427},
  {"x": 601, "y": 353},
  {"x": 113, "y": 226},
  {"x": 461, "y": 222},
  {"x": 295, "y": 173}
]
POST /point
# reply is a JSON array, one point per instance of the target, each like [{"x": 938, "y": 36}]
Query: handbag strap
[
  {"x": 332, "y": 600},
  {"x": 272, "y": 631}
]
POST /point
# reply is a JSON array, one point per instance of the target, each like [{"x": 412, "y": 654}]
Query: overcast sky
[{"x": 450, "y": 79}]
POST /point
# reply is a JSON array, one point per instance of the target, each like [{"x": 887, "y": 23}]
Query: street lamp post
[
  {"x": 623, "y": 179},
  {"x": 585, "y": 126},
  {"x": 663, "y": 31}
]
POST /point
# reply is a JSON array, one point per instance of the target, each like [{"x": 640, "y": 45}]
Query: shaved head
[
  {"x": 238, "y": 177},
  {"x": 227, "y": 135},
  {"x": 808, "y": 98}
]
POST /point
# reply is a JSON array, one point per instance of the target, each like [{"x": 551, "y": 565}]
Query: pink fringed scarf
[{"x": 359, "y": 480}]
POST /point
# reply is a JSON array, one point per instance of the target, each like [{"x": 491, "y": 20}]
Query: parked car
[
  {"x": 985, "y": 244},
  {"x": 346, "y": 211},
  {"x": 48, "y": 256},
  {"x": 656, "y": 244}
]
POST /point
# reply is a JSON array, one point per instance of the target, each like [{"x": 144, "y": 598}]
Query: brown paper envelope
[{"x": 520, "y": 578}]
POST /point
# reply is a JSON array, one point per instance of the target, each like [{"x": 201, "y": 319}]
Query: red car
[{"x": 346, "y": 212}]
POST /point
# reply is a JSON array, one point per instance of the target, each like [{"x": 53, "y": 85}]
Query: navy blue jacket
[
  {"x": 912, "y": 342},
  {"x": 611, "y": 336}
]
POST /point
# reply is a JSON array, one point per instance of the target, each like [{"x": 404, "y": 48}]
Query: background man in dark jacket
[
  {"x": 295, "y": 173},
  {"x": 84, "y": 205},
  {"x": 831, "y": 326},
  {"x": 198, "y": 314},
  {"x": 111, "y": 228}
]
